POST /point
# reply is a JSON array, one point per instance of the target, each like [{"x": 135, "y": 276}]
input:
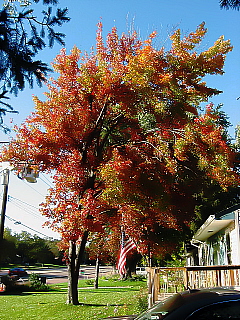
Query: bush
[
  {"x": 112, "y": 277},
  {"x": 138, "y": 277},
  {"x": 116, "y": 277},
  {"x": 36, "y": 283},
  {"x": 142, "y": 301},
  {"x": 90, "y": 282}
]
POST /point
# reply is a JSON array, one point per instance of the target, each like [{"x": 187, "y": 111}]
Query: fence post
[
  {"x": 185, "y": 278},
  {"x": 156, "y": 285},
  {"x": 231, "y": 277},
  {"x": 151, "y": 286}
]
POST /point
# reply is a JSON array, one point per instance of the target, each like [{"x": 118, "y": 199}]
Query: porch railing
[{"x": 165, "y": 281}]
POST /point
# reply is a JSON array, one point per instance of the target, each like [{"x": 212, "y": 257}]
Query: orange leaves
[
  {"x": 136, "y": 187},
  {"x": 189, "y": 67},
  {"x": 212, "y": 60},
  {"x": 67, "y": 65},
  {"x": 204, "y": 138},
  {"x": 188, "y": 43},
  {"x": 121, "y": 130}
]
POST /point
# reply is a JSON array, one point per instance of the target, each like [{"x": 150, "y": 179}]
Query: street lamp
[{"x": 29, "y": 174}]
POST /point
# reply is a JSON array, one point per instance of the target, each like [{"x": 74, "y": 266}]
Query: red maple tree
[{"x": 121, "y": 130}]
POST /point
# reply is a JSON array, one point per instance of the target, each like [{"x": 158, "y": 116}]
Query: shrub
[
  {"x": 142, "y": 301},
  {"x": 138, "y": 277},
  {"x": 90, "y": 282},
  {"x": 36, "y": 283},
  {"x": 112, "y": 277}
]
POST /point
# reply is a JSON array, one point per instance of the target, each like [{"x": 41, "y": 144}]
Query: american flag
[{"x": 126, "y": 245}]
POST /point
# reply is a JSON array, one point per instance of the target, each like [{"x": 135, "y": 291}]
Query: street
[{"x": 58, "y": 275}]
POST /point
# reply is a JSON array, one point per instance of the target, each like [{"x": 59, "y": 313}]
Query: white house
[{"x": 217, "y": 241}]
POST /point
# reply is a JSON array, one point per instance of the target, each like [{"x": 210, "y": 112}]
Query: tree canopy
[
  {"x": 230, "y": 4},
  {"x": 122, "y": 130},
  {"x": 22, "y": 36},
  {"x": 23, "y": 248}
]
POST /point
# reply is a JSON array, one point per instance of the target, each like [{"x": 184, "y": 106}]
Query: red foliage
[{"x": 121, "y": 130}]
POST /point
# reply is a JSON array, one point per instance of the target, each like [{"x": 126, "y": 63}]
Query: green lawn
[{"x": 112, "y": 298}]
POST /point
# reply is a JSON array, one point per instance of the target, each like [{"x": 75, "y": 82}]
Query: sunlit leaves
[{"x": 121, "y": 129}]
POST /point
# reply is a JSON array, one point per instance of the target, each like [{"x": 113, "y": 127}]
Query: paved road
[{"x": 58, "y": 275}]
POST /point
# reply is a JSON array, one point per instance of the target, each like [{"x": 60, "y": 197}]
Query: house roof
[
  {"x": 214, "y": 224},
  {"x": 229, "y": 210},
  {"x": 210, "y": 227}
]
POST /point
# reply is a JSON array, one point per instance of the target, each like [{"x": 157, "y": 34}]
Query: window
[{"x": 219, "y": 311}]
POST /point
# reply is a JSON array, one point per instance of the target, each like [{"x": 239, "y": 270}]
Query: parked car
[
  {"x": 17, "y": 272},
  {"x": 198, "y": 304},
  {"x": 141, "y": 271}
]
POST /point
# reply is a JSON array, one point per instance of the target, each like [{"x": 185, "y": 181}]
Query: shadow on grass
[
  {"x": 29, "y": 293},
  {"x": 60, "y": 291},
  {"x": 100, "y": 305},
  {"x": 15, "y": 293},
  {"x": 103, "y": 291}
]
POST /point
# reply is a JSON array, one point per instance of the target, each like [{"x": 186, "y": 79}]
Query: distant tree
[
  {"x": 230, "y": 4},
  {"x": 103, "y": 246},
  {"x": 22, "y": 36},
  {"x": 100, "y": 251},
  {"x": 9, "y": 236},
  {"x": 32, "y": 249},
  {"x": 8, "y": 248},
  {"x": 24, "y": 247},
  {"x": 53, "y": 247}
]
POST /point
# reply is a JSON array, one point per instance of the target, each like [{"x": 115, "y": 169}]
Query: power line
[
  {"x": 22, "y": 205},
  {"x": 28, "y": 204},
  {"x": 44, "y": 179},
  {"x": 30, "y": 186},
  {"x": 19, "y": 222}
]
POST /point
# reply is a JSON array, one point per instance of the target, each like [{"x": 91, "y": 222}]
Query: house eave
[{"x": 210, "y": 227}]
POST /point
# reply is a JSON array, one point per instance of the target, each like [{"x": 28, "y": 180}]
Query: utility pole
[{"x": 4, "y": 201}]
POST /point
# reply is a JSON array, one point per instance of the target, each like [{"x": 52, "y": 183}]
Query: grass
[{"x": 112, "y": 298}]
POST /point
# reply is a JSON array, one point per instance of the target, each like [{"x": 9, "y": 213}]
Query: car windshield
[{"x": 160, "y": 310}]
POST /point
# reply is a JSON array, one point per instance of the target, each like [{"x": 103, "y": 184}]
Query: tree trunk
[
  {"x": 75, "y": 256},
  {"x": 97, "y": 274}
]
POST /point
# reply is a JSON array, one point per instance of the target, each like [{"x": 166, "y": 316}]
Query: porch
[{"x": 165, "y": 281}]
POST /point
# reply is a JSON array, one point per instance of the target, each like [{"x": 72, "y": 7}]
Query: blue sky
[{"x": 144, "y": 16}]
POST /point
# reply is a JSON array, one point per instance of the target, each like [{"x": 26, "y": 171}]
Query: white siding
[{"x": 234, "y": 246}]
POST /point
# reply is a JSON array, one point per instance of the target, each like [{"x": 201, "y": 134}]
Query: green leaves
[{"x": 22, "y": 36}]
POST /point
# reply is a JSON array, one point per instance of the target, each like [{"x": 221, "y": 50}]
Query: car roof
[
  {"x": 195, "y": 294},
  {"x": 183, "y": 303},
  {"x": 202, "y": 296},
  {"x": 191, "y": 300}
]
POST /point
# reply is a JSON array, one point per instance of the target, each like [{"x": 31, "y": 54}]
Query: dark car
[
  {"x": 198, "y": 304},
  {"x": 17, "y": 272}
]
